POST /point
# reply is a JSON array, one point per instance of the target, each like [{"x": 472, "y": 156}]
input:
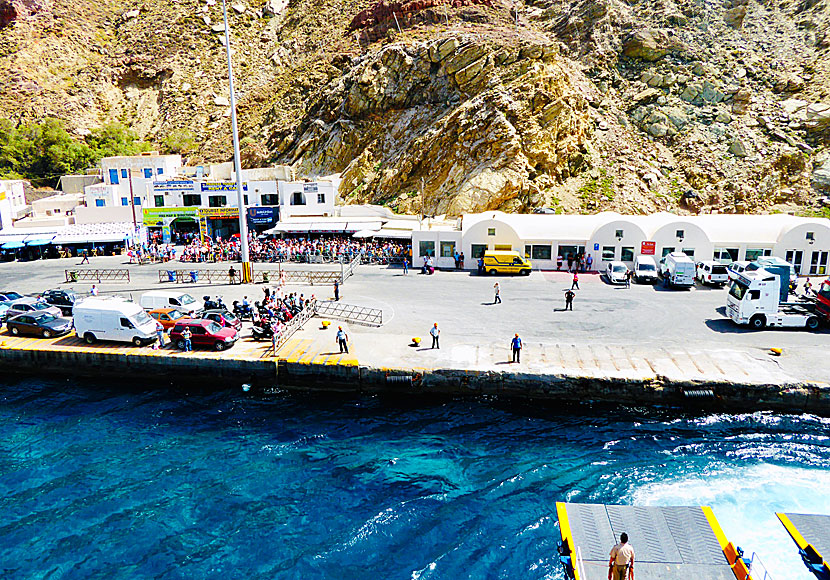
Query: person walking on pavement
[
  {"x": 621, "y": 563},
  {"x": 497, "y": 291},
  {"x": 435, "y": 332},
  {"x": 589, "y": 261},
  {"x": 461, "y": 261},
  {"x": 569, "y": 299},
  {"x": 480, "y": 265},
  {"x": 516, "y": 346},
  {"x": 186, "y": 335},
  {"x": 160, "y": 333},
  {"x": 628, "y": 278},
  {"x": 86, "y": 258},
  {"x": 405, "y": 266},
  {"x": 575, "y": 283},
  {"x": 342, "y": 339},
  {"x": 337, "y": 291}
]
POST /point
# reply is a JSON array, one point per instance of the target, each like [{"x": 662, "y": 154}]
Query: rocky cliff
[{"x": 446, "y": 106}]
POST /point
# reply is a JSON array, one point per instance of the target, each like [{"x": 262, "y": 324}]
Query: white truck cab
[{"x": 754, "y": 300}]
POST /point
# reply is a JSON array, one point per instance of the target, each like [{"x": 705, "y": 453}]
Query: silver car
[{"x": 30, "y": 305}]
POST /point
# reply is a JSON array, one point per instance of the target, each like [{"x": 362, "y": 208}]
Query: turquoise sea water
[{"x": 99, "y": 480}]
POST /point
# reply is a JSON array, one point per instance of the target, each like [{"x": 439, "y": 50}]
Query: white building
[
  {"x": 307, "y": 198},
  {"x": 805, "y": 242},
  {"x": 55, "y": 210},
  {"x": 12, "y": 202},
  {"x": 134, "y": 175}
]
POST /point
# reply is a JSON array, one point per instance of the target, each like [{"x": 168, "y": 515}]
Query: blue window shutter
[
  {"x": 160, "y": 171},
  {"x": 99, "y": 203},
  {"x": 125, "y": 201},
  {"x": 124, "y": 173},
  {"x": 137, "y": 200},
  {"x": 148, "y": 172},
  {"x": 114, "y": 176}
]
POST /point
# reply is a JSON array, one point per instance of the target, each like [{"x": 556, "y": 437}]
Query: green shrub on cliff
[{"x": 42, "y": 152}]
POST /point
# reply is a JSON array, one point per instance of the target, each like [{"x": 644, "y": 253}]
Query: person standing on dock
[
  {"x": 516, "y": 346},
  {"x": 435, "y": 333},
  {"x": 461, "y": 261},
  {"x": 232, "y": 275},
  {"x": 569, "y": 299},
  {"x": 575, "y": 283},
  {"x": 405, "y": 266},
  {"x": 497, "y": 291},
  {"x": 160, "y": 333},
  {"x": 621, "y": 564},
  {"x": 336, "y": 291},
  {"x": 186, "y": 335},
  {"x": 94, "y": 290},
  {"x": 342, "y": 340}
]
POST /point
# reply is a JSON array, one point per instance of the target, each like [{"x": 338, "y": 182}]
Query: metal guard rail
[
  {"x": 99, "y": 275},
  {"x": 351, "y": 313},
  {"x": 293, "y": 326},
  {"x": 310, "y": 278}
]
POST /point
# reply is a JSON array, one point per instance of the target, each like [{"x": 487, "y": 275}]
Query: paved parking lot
[{"x": 641, "y": 318}]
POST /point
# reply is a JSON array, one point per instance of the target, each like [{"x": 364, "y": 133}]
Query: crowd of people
[{"x": 295, "y": 249}]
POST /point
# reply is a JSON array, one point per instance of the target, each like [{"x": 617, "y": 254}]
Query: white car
[
  {"x": 617, "y": 272},
  {"x": 736, "y": 268},
  {"x": 713, "y": 273}
]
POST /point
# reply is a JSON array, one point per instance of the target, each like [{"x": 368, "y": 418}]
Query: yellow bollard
[
  {"x": 326, "y": 324},
  {"x": 776, "y": 351},
  {"x": 416, "y": 341}
]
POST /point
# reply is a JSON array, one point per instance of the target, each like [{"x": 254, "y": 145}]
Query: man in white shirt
[
  {"x": 621, "y": 564},
  {"x": 434, "y": 332}
]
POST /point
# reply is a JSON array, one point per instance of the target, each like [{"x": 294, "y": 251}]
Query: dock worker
[
  {"x": 342, "y": 339},
  {"x": 569, "y": 299},
  {"x": 516, "y": 347},
  {"x": 336, "y": 291},
  {"x": 435, "y": 333},
  {"x": 621, "y": 563}
]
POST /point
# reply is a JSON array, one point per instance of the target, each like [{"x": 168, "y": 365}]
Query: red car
[{"x": 205, "y": 334}]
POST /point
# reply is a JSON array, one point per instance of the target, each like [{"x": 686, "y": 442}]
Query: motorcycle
[
  {"x": 262, "y": 331},
  {"x": 214, "y": 304},
  {"x": 242, "y": 311}
]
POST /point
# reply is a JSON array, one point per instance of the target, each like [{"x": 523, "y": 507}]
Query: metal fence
[
  {"x": 350, "y": 313},
  {"x": 111, "y": 275},
  {"x": 293, "y": 326}
]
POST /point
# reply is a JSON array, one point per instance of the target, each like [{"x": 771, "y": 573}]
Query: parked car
[
  {"x": 167, "y": 316},
  {"x": 63, "y": 299},
  {"x": 6, "y": 299},
  {"x": 713, "y": 273},
  {"x": 223, "y": 318},
  {"x": 169, "y": 299},
  {"x": 30, "y": 305},
  {"x": 736, "y": 268},
  {"x": 680, "y": 270},
  {"x": 616, "y": 272},
  {"x": 205, "y": 333},
  {"x": 645, "y": 269},
  {"x": 39, "y": 324}
]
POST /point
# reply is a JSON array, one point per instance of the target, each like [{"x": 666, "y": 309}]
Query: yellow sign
[{"x": 2, "y": 195}]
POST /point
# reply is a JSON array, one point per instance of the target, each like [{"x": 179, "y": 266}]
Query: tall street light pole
[{"x": 247, "y": 274}]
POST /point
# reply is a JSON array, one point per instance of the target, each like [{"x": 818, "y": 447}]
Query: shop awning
[
  {"x": 13, "y": 238},
  {"x": 394, "y": 234},
  {"x": 13, "y": 245},
  {"x": 364, "y": 234},
  {"x": 39, "y": 241}
]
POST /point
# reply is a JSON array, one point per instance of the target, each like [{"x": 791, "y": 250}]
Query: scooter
[
  {"x": 242, "y": 312},
  {"x": 262, "y": 331}
]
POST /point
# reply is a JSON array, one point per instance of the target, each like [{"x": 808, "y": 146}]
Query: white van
[
  {"x": 112, "y": 318},
  {"x": 645, "y": 269},
  {"x": 680, "y": 270},
  {"x": 169, "y": 299}
]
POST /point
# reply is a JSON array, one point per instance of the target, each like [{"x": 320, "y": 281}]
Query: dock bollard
[
  {"x": 416, "y": 341},
  {"x": 776, "y": 351},
  {"x": 326, "y": 324}
]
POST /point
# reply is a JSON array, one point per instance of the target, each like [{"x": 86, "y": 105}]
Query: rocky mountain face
[{"x": 447, "y": 106}]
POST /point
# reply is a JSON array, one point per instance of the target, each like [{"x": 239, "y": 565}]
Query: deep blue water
[{"x": 102, "y": 481}]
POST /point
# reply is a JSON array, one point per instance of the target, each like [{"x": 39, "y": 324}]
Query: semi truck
[{"x": 757, "y": 298}]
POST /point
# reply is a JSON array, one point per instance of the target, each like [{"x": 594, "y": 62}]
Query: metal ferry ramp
[
  {"x": 811, "y": 533},
  {"x": 670, "y": 543}
]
